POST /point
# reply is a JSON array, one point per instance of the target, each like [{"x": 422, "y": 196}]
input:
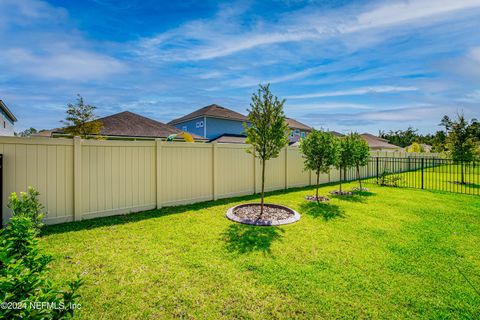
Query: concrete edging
[{"x": 231, "y": 216}]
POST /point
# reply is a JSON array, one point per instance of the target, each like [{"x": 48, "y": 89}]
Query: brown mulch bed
[
  {"x": 270, "y": 212},
  {"x": 314, "y": 198},
  {"x": 360, "y": 189},
  {"x": 341, "y": 193}
]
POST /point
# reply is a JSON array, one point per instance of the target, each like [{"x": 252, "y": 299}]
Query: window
[
  {"x": 302, "y": 134},
  {"x": 184, "y": 128},
  {"x": 199, "y": 124},
  {"x": 297, "y": 132}
]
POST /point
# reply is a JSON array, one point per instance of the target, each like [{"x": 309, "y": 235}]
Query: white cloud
[
  {"x": 71, "y": 65},
  {"x": 407, "y": 11},
  {"x": 354, "y": 92},
  {"x": 226, "y": 34}
]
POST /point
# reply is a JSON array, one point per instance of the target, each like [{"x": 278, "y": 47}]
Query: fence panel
[
  {"x": 117, "y": 176},
  {"x": 235, "y": 172},
  {"x": 186, "y": 173},
  {"x": 297, "y": 176},
  {"x": 47, "y": 166}
]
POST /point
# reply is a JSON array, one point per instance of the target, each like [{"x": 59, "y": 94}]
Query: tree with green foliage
[
  {"x": 24, "y": 268},
  {"x": 268, "y": 130},
  {"x": 320, "y": 153},
  {"x": 27, "y": 132},
  {"x": 346, "y": 156},
  {"x": 81, "y": 120},
  {"x": 361, "y": 154},
  {"x": 461, "y": 144},
  {"x": 415, "y": 147}
]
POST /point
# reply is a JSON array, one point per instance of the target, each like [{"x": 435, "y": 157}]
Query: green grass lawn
[{"x": 391, "y": 253}]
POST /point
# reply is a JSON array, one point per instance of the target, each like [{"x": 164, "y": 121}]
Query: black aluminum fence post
[
  {"x": 377, "y": 170},
  {"x": 423, "y": 165}
]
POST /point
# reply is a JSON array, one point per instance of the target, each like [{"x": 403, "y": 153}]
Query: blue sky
[{"x": 341, "y": 65}]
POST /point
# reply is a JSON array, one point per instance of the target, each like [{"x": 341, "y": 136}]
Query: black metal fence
[{"x": 422, "y": 173}]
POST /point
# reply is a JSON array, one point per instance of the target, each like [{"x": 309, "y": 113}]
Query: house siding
[
  {"x": 6, "y": 125},
  {"x": 215, "y": 127},
  {"x": 191, "y": 126}
]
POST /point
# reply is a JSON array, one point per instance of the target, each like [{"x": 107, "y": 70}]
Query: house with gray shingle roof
[
  {"x": 7, "y": 120},
  {"x": 379, "y": 144},
  {"x": 221, "y": 124},
  {"x": 128, "y": 125}
]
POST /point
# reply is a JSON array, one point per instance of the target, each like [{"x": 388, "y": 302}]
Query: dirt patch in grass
[
  {"x": 314, "y": 198},
  {"x": 341, "y": 193}
]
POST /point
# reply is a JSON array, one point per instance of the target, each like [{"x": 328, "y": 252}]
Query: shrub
[
  {"x": 28, "y": 205},
  {"x": 23, "y": 267}
]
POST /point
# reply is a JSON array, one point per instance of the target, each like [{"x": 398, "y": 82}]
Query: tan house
[{"x": 379, "y": 144}]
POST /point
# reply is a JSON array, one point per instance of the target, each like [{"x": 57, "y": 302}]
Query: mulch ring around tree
[
  {"x": 314, "y": 198},
  {"x": 360, "y": 189},
  {"x": 341, "y": 193},
  {"x": 273, "y": 214}
]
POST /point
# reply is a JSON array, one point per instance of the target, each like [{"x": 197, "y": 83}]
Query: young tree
[
  {"x": 80, "y": 120},
  {"x": 361, "y": 154},
  {"x": 461, "y": 144},
  {"x": 267, "y": 133},
  {"x": 320, "y": 151},
  {"x": 346, "y": 156}
]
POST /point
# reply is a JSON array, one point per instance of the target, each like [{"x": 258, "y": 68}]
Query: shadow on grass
[
  {"x": 242, "y": 238},
  {"x": 327, "y": 211},
  {"x": 139, "y": 216}
]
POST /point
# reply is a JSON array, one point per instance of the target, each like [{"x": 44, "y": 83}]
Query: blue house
[
  {"x": 211, "y": 122},
  {"x": 223, "y": 125}
]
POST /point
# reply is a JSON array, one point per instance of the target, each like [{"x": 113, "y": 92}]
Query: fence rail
[{"x": 422, "y": 173}]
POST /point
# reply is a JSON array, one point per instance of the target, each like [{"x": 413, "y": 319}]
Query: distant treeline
[{"x": 438, "y": 140}]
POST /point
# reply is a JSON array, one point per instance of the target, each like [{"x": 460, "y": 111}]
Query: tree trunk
[
  {"x": 318, "y": 181},
  {"x": 263, "y": 188},
  {"x": 341, "y": 180},
  {"x": 358, "y": 177}
]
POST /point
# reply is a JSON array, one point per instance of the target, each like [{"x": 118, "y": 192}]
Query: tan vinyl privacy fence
[{"x": 82, "y": 179}]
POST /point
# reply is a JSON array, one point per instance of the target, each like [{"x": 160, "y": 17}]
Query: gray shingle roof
[
  {"x": 214, "y": 111},
  {"x": 129, "y": 124},
  {"x": 377, "y": 142}
]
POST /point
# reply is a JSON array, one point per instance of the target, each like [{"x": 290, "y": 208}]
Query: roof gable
[
  {"x": 294, "y": 124},
  {"x": 214, "y": 111}
]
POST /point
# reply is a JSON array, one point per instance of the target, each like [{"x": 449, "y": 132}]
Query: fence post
[
  {"x": 286, "y": 167},
  {"x": 214, "y": 169},
  {"x": 377, "y": 170},
  {"x": 77, "y": 179},
  {"x": 423, "y": 164},
  {"x": 158, "y": 169}
]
